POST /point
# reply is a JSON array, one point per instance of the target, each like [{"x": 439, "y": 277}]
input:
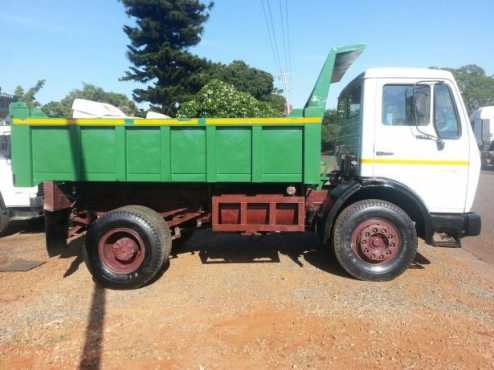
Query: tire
[
  {"x": 374, "y": 240},
  {"x": 127, "y": 247}
]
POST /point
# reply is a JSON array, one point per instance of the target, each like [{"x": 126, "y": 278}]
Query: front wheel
[{"x": 374, "y": 240}]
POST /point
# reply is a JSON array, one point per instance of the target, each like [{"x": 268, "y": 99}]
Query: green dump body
[{"x": 213, "y": 150}]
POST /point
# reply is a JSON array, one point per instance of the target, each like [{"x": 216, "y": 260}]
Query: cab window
[
  {"x": 406, "y": 105},
  {"x": 446, "y": 118}
]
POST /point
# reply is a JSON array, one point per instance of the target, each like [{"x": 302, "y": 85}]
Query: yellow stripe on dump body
[
  {"x": 417, "y": 162},
  {"x": 163, "y": 121},
  {"x": 263, "y": 121},
  {"x": 69, "y": 121}
]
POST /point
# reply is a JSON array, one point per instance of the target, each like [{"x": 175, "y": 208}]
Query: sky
[{"x": 68, "y": 42}]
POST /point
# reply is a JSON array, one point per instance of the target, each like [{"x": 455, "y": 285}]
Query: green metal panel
[
  {"x": 257, "y": 155},
  {"x": 54, "y": 154},
  {"x": 233, "y": 154},
  {"x": 312, "y": 153},
  {"x": 211, "y": 146},
  {"x": 282, "y": 154},
  {"x": 209, "y": 153},
  {"x": 165, "y": 154},
  {"x": 22, "y": 155},
  {"x": 120, "y": 153},
  {"x": 144, "y": 154},
  {"x": 98, "y": 159},
  {"x": 188, "y": 153}
]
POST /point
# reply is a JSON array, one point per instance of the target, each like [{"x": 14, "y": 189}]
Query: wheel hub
[
  {"x": 121, "y": 250},
  {"x": 376, "y": 241},
  {"x": 125, "y": 249}
]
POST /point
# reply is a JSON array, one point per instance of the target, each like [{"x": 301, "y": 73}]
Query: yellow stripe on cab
[{"x": 417, "y": 162}]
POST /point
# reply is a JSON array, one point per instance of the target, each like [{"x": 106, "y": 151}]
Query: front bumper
[{"x": 456, "y": 224}]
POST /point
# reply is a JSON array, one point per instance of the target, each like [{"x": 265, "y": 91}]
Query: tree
[
  {"x": 253, "y": 81},
  {"x": 29, "y": 97},
  {"x": 158, "y": 50},
  {"x": 476, "y": 86},
  {"x": 63, "y": 108},
  {"x": 219, "y": 99}
]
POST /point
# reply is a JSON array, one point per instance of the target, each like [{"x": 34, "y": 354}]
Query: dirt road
[
  {"x": 227, "y": 301},
  {"x": 483, "y": 246}
]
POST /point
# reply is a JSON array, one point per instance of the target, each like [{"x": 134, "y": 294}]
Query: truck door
[{"x": 419, "y": 142}]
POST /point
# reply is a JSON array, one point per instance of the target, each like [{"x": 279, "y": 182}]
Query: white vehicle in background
[
  {"x": 483, "y": 126},
  {"x": 15, "y": 203}
]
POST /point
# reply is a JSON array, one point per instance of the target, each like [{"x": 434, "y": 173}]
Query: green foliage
[
  {"x": 278, "y": 103},
  {"x": 158, "y": 50},
  {"x": 29, "y": 96},
  {"x": 56, "y": 109},
  {"x": 219, "y": 99},
  {"x": 63, "y": 108},
  {"x": 330, "y": 129},
  {"x": 252, "y": 81},
  {"x": 476, "y": 86}
]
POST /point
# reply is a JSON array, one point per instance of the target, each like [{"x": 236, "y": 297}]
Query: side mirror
[{"x": 440, "y": 144}]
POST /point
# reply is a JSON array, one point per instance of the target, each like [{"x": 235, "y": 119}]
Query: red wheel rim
[
  {"x": 121, "y": 250},
  {"x": 376, "y": 241}
]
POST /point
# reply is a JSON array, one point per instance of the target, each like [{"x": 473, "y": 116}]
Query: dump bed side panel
[{"x": 287, "y": 150}]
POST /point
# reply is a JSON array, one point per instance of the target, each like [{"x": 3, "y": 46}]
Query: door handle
[{"x": 385, "y": 153}]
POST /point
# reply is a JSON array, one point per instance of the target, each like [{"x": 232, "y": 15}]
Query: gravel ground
[
  {"x": 483, "y": 246},
  {"x": 227, "y": 301}
]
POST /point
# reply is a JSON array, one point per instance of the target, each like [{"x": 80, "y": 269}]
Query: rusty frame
[
  {"x": 271, "y": 200},
  {"x": 54, "y": 198}
]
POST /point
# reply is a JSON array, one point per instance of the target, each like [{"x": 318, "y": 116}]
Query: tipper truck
[{"x": 407, "y": 167}]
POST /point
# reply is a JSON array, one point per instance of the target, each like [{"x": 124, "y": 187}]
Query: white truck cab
[
  {"x": 15, "y": 203},
  {"x": 408, "y": 129}
]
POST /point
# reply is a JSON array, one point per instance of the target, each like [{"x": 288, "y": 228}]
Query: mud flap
[{"x": 56, "y": 231}]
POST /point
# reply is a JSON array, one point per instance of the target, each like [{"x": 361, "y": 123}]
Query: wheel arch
[{"x": 383, "y": 189}]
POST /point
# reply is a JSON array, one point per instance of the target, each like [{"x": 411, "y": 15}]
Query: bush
[{"x": 219, "y": 99}]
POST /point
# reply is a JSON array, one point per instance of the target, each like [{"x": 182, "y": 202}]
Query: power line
[
  {"x": 285, "y": 45},
  {"x": 272, "y": 40},
  {"x": 282, "y": 61},
  {"x": 289, "y": 49}
]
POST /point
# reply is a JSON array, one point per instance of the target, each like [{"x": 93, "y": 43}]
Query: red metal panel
[
  {"x": 54, "y": 198},
  {"x": 258, "y": 213}
]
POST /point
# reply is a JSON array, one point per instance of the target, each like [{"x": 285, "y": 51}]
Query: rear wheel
[
  {"x": 374, "y": 240},
  {"x": 127, "y": 247}
]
